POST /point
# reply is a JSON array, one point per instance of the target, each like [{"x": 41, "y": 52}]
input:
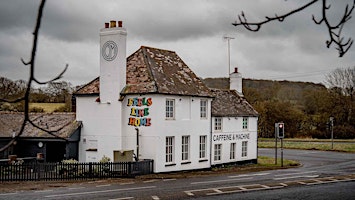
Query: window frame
[
  {"x": 217, "y": 155},
  {"x": 245, "y": 123},
  {"x": 170, "y": 108},
  {"x": 169, "y": 149},
  {"x": 232, "y": 150},
  {"x": 202, "y": 146},
  {"x": 185, "y": 148},
  {"x": 203, "y": 108},
  {"x": 218, "y": 123},
  {"x": 244, "y": 148}
]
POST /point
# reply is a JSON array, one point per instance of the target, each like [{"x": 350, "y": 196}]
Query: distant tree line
[
  {"x": 305, "y": 108},
  {"x": 53, "y": 92}
]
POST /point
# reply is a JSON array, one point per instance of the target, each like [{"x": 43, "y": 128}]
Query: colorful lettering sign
[{"x": 139, "y": 111}]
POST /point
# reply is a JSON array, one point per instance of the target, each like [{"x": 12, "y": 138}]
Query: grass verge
[{"x": 310, "y": 144}]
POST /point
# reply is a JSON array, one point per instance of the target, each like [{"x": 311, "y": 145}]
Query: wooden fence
[{"x": 37, "y": 171}]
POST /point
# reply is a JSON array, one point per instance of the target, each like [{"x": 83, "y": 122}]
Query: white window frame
[
  {"x": 218, "y": 123},
  {"x": 185, "y": 148},
  {"x": 203, "y": 145},
  {"x": 245, "y": 123},
  {"x": 232, "y": 151},
  {"x": 217, "y": 152},
  {"x": 170, "y": 109},
  {"x": 203, "y": 108},
  {"x": 169, "y": 149},
  {"x": 244, "y": 148}
]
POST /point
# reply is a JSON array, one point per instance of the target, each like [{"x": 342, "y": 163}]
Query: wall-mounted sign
[
  {"x": 139, "y": 111},
  {"x": 230, "y": 137}
]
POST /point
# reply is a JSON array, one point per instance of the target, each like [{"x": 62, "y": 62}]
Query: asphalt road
[{"x": 324, "y": 175}]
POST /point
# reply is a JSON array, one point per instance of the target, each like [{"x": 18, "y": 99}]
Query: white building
[{"x": 151, "y": 104}]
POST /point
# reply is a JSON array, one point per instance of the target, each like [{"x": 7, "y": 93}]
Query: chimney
[
  {"x": 236, "y": 82},
  {"x": 112, "y": 61}
]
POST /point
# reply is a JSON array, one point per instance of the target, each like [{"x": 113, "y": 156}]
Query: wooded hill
[{"x": 304, "y": 107}]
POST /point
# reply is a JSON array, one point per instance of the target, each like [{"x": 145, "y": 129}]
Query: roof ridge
[
  {"x": 146, "y": 47},
  {"x": 146, "y": 57}
]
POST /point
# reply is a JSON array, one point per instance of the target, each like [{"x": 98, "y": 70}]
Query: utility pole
[
  {"x": 228, "y": 38},
  {"x": 331, "y": 119}
]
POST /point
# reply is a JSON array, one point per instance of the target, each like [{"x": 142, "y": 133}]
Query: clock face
[{"x": 109, "y": 50}]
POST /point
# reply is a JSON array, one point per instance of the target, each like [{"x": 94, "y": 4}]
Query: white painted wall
[
  {"x": 101, "y": 123},
  {"x": 232, "y": 132},
  {"x": 152, "y": 139}
]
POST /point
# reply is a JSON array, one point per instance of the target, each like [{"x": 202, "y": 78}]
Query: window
[
  {"x": 245, "y": 122},
  {"x": 232, "y": 151},
  {"x": 203, "y": 108},
  {"x": 217, "y": 152},
  {"x": 217, "y": 123},
  {"x": 203, "y": 139},
  {"x": 185, "y": 145},
  {"x": 244, "y": 148},
  {"x": 169, "y": 108},
  {"x": 169, "y": 149}
]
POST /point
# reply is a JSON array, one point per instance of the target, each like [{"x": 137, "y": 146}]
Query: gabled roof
[
  {"x": 227, "y": 103},
  {"x": 91, "y": 88},
  {"x": 64, "y": 123},
  {"x": 151, "y": 70}
]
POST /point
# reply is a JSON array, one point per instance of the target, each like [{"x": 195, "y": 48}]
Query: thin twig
[{"x": 334, "y": 31}]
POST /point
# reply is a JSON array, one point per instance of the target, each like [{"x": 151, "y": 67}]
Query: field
[
  {"x": 310, "y": 144},
  {"x": 47, "y": 107}
]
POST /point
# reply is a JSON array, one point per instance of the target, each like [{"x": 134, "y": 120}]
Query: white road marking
[
  {"x": 155, "y": 197},
  {"x": 150, "y": 181},
  {"x": 76, "y": 188},
  {"x": 128, "y": 183},
  {"x": 103, "y": 185},
  {"x": 218, "y": 181},
  {"x": 246, "y": 175},
  {"x": 5, "y": 194},
  {"x": 123, "y": 198},
  {"x": 292, "y": 177},
  {"x": 98, "y": 191},
  {"x": 306, "y": 172},
  {"x": 40, "y": 191}
]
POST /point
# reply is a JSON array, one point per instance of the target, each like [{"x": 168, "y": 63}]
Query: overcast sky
[{"x": 293, "y": 50}]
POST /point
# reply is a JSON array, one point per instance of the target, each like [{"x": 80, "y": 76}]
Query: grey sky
[{"x": 293, "y": 50}]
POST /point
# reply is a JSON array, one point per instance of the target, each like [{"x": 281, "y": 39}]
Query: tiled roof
[
  {"x": 10, "y": 123},
  {"x": 228, "y": 103},
  {"x": 151, "y": 70},
  {"x": 91, "y": 88}
]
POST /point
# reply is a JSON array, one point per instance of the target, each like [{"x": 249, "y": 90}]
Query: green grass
[
  {"x": 310, "y": 144},
  {"x": 270, "y": 162},
  {"x": 47, "y": 107}
]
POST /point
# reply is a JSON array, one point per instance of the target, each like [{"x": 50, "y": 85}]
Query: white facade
[
  {"x": 176, "y": 131},
  {"x": 233, "y": 142},
  {"x": 186, "y": 122}
]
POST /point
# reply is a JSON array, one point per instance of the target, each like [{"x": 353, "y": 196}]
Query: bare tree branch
[
  {"x": 334, "y": 31},
  {"x": 29, "y": 83},
  {"x": 59, "y": 76}
]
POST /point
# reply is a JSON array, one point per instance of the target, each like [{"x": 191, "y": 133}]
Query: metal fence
[{"x": 36, "y": 171}]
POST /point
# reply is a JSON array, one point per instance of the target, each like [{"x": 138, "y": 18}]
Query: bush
[{"x": 344, "y": 132}]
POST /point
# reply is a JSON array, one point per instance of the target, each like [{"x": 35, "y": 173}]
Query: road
[{"x": 321, "y": 175}]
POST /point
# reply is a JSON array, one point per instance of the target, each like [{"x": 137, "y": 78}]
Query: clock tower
[{"x": 112, "y": 61}]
